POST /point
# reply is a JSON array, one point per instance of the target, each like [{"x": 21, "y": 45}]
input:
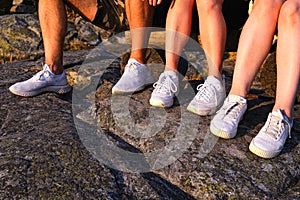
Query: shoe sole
[
  {"x": 133, "y": 90},
  {"x": 160, "y": 103},
  {"x": 220, "y": 133},
  {"x": 56, "y": 89},
  {"x": 130, "y": 91},
  {"x": 262, "y": 153},
  {"x": 202, "y": 112}
]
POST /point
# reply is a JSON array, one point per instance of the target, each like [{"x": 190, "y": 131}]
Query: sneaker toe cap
[
  {"x": 265, "y": 145},
  {"x": 24, "y": 86},
  {"x": 123, "y": 88},
  {"x": 226, "y": 126},
  {"x": 129, "y": 86},
  {"x": 160, "y": 101},
  {"x": 17, "y": 87}
]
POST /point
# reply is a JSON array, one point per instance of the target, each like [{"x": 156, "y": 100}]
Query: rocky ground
[
  {"x": 68, "y": 146},
  {"x": 21, "y": 38},
  {"x": 45, "y": 154}
]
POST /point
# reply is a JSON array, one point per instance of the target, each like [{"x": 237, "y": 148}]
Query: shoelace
[
  {"x": 165, "y": 85},
  {"x": 232, "y": 109},
  {"x": 42, "y": 73},
  {"x": 132, "y": 67},
  {"x": 205, "y": 92},
  {"x": 275, "y": 126}
]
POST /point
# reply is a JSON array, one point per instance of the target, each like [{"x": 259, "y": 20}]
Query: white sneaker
[
  {"x": 225, "y": 122},
  {"x": 209, "y": 98},
  {"x": 270, "y": 140},
  {"x": 43, "y": 81},
  {"x": 165, "y": 89},
  {"x": 136, "y": 77}
]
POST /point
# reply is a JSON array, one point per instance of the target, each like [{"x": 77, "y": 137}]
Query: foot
[
  {"x": 270, "y": 140},
  {"x": 209, "y": 98},
  {"x": 165, "y": 90},
  {"x": 225, "y": 122},
  {"x": 43, "y": 81},
  {"x": 136, "y": 77}
]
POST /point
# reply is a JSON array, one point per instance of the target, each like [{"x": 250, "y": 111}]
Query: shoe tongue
[
  {"x": 212, "y": 80},
  {"x": 134, "y": 61},
  {"x": 171, "y": 73},
  {"x": 46, "y": 68},
  {"x": 281, "y": 115},
  {"x": 278, "y": 113},
  {"x": 236, "y": 98}
]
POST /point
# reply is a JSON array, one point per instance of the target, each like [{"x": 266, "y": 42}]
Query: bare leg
[
  {"x": 213, "y": 33},
  {"x": 87, "y": 8},
  {"x": 53, "y": 22},
  {"x": 140, "y": 15},
  {"x": 254, "y": 44},
  {"x": 179, "y": 22},
  {"x": 288, "y": 60}
]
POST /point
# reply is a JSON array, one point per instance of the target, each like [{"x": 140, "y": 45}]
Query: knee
[
  {"x": 290, "y": 12},
  {"x": 267, "y": 7},
  {"x": 207, "y": 6},
  {"x": 182, "y": 6}
]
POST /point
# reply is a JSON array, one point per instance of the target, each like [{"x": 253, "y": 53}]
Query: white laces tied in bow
[
  {"x": 132, "y": 67},
  {"x": 165, "y": 85},
  {"x": 43, "y": 73}
]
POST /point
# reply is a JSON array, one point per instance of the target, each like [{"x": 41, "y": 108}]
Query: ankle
[
  {"x": 138, "y": 55},
  {"x": 139, "y": 60},
  {"x": 238, "y": 93},
  {"x": 218, "y": 76},
  {"x": 167, "y": 69},
  {"x": 55, "y": 69},
  {"x": 171, "y": 72},
  {"x": 286, "y": 112}
]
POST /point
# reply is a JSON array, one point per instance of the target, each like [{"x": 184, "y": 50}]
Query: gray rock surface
[
  {"x": 23, "y": 6},
  {"x": 42, "y": 155},
  {"x": 20, "y": 36}
]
